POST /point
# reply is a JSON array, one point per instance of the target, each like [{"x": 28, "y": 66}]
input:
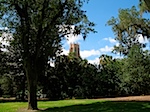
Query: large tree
[
  {"x": 135, "y": 76},
  {"x": 38, "y": 27},
  {"x": 127, "y": 28},
  {"x": 109, "y": 75}
]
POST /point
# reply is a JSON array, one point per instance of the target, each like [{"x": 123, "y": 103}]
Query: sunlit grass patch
[{"x": 82, "y": 105}]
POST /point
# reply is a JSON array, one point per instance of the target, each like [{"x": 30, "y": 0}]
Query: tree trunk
[
  {"x": 32, "y": 100},
  {"x": 32, "y": 75},
  {"x": 23, "y": 89}
]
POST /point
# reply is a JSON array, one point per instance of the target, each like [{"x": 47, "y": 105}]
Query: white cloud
[
  {"x": 142, "y": 39},
  {"x": 106, "y": 49},
  {"x": 65, "y": 52},
  {"x": 84, "y": 53},
  {"x": 6, "y": 28},
  {"x": 110, "y": 39},
  {"x": 73, "y": 38},
  {"x": 95, "y": 61},
  {"x": 93, "y": 52},
  {"x": 88, "y": 53},
  {"x": 52, "y": 64},
  {"x": 117, "y": 44},
  {"x": 118, "y": 57},
  {"x": 5, "y": 38}
]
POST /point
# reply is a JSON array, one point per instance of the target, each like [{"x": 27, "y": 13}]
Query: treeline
[{"x": 73, "y": 77}]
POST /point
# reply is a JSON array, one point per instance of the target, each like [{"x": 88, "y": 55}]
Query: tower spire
[{"x": 74, "y": 48}]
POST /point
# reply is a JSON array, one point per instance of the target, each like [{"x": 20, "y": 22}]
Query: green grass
[{"x": 79, "y": 106}]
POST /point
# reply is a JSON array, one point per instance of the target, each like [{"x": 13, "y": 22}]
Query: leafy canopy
[{"x": 127, "y": 27}]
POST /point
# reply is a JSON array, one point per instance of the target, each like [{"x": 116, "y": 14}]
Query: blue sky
[{"x": 99, "y": 12}]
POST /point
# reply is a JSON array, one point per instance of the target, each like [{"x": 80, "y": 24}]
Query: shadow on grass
[{"x": 108, "y": 106}]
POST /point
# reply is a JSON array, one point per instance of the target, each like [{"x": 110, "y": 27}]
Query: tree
[
  {"x": 135, "y": 76},
  {"x": 38, "y": 27},
  {"x": 109, "y": 75},
  {"x": 6, "y": 86},
  {"x": 1, "y": 57},
  {"x": 72, "y": 77},
  {"x": 2, "y": 65},
  {"x": 104, "y": 60},
  {"x": 128, "y": 30},
  {"x": 12, "y": 65},
  {"x": 145, "y": 5},
  {"x": 16, "y": 70}
]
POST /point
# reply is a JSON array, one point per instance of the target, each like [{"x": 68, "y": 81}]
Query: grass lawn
[{"x": 78, "y": 106}]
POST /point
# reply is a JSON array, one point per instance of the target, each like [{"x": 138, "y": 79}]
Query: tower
[{"x": 74, "y": 48}]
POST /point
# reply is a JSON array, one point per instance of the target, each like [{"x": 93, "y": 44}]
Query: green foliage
[
  {"x": 144, "y": 5},
  {"x": 12, "y": 67},
  {"x": 136, "y": 75},
  {"x": 127, "y": 30},
  {"x": 110, "y": 75},
  {"x": 6, "y": 85},
  {"x": 133, "y": 74},
  {"x": 70, "y": 77}
]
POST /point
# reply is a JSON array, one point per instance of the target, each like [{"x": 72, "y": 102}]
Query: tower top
[{"x": 74, "y": 48}]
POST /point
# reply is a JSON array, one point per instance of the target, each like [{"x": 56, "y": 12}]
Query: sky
[{"x": 102, "y": 42}]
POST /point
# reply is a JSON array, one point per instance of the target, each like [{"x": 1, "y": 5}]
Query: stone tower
[{"x": 74, "y": 48}]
